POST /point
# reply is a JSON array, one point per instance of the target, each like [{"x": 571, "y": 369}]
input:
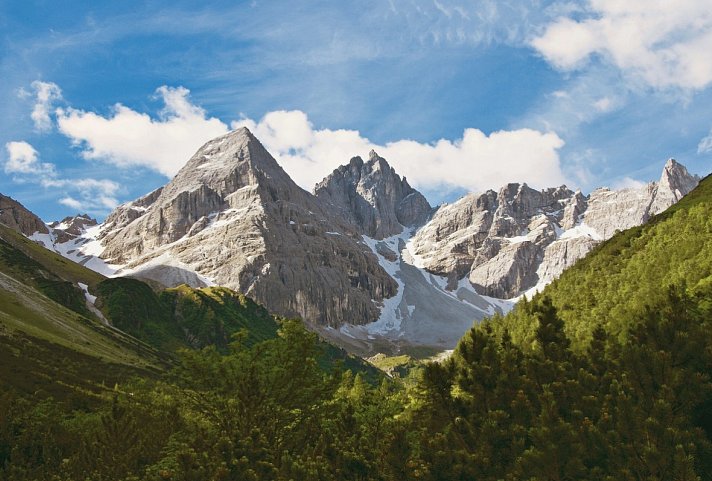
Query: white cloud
[
  {"x": 475, "y": 162},
  {"x": 664, "y": 43},
  {"x": 45, "y": 93},
  {"x": 97, "y": 195},
  {"x": 705, "y": 145},
  {"x": 128, "y": 138},
  {"x": 72, "y": 203},
  {"x": 23, "y": 159}
]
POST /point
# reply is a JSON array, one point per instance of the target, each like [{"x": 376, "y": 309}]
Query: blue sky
[{"x": 102, "y": 102}]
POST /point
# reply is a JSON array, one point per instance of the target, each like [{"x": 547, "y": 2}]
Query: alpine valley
[
  {"x": 162, "y": 343},
  {"x": 364, "y": 259}
]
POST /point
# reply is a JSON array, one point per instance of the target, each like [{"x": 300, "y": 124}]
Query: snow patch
[
  {"x": 581, "y": 230},
  {"x": 88, "y": 296}
]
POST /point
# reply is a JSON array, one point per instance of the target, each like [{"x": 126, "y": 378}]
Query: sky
[{"x": 102, "y": 102}]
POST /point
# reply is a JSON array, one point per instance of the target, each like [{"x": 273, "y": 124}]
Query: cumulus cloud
[
  {"x": 22, "y": 158},
  {"x": 666, "y": 44},
  {"x": 45, "y": 95},
  {"x": 95, "y": 195},
  {"x": 475, "y": 162},
  {"x": 128, "y": 138}
]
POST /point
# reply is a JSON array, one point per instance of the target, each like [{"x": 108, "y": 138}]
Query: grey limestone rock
[
  {"x": 373, "y": 197},
  {"x": 235, "y": 218},
  {"x": 519, "y": 238},
  {"x": 71, "y": 227}
]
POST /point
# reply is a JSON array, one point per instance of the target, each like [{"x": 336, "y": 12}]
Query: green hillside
[
  {"x": 43, "y": 308},
  {"x": 633, "y": 269}
]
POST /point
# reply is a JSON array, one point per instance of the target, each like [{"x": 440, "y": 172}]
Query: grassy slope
[
  {"x": 630, "y": 271},
  {"x": 41, "y": 305}
]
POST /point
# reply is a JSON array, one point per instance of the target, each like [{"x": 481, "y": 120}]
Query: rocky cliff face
[
  {"x": 373, "y": 197},
  {"x": 16, "y": 216},
  {"x": 510, "y": 241},
  {"x": 233, "y": 217}
]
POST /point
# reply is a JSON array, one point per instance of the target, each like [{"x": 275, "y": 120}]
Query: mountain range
[{"x": 364, "y": 259}]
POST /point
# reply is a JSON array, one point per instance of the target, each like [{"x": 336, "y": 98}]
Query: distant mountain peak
[
  {"x": 677, "y": 179},
  {"x": 374, "y": 197}
]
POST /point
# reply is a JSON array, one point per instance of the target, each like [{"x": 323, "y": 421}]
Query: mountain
[
  {"x": 604, "y": 375},
  {"x": 71, "y": 228},
  {"x": 519, "y": 238},
  {"x": 373, "y": 197},
  {"x": 232, "y": 217},
  {"x": 635, "y": 268},
  {"x": 53, "y": 339}
]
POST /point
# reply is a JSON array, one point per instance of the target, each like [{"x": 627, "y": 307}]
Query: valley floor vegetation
[{"x": 635, "y": 409}]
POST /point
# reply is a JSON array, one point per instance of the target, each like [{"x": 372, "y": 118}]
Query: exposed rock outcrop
[
  {"x": 16, "y": 216},
  {"x": 519, "y": 238},
  {"x": 373, "y": 197}
]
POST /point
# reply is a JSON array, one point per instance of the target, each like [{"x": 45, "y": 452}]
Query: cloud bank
[
  {"x": 474, "y": 162},
  {"x": 128, "y": 138},
  {"x": 664, "y": 43}
]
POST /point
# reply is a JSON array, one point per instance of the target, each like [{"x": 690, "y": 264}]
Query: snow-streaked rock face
[
  {"x": 71, "y": 227},
  {"x": 424, "y": 311},
  {"x": 233, "y": 217},
  {"x": 373, "y": 197},
  {"x": 518, "y": 239}
]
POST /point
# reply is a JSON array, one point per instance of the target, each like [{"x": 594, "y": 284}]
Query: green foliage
[
  {"x": 17, "y": 263},
  {"x": 261, "y": 411},
  {"x": 213, "y": 314}
]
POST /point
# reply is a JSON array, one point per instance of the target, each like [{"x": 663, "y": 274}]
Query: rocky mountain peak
[
  {"x": 232, "y": 216},
  {"x": 228, "y": 163},
  {"x": 18, "y": 217},
  {"x": 373, "y": 197},
  {"x": 677, "y": 179}
]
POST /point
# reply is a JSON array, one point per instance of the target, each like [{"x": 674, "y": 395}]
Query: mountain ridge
[{"x": 364, "y": 258}]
